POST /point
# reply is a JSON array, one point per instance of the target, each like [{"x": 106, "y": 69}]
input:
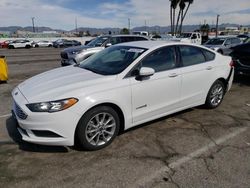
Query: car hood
[
  {"x": 75, "y": 48},
  {"x": 61, "y": 83}
]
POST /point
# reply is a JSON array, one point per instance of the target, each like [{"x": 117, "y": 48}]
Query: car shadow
[{"x": 11, "y": 126}]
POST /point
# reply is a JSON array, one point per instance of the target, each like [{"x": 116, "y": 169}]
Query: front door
[{"x": 157, "y": 95}]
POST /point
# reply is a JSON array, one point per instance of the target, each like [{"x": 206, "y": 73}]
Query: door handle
[
  {"x": 172, "y": 75},
  {"x": 209, "y": 68}
]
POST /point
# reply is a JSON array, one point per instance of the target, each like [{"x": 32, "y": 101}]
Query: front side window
[
  {"x": 112, "y": 60},
  {"x": 161, "y": 59},
  {"x": 191, "y": 55},
  {"x": 98, "y": 41}
]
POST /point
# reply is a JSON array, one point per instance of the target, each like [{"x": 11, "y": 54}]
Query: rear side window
[
  {"x": 236, "y": 41},
  {"x": 161, "y": 59},
  {"x": 210, "y": 56},
  {"x": 191, "y": 55}
]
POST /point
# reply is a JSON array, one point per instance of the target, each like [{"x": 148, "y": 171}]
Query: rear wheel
[
  {"x": 97, "y": 128},
  {"x": 11, "y": 47},
  {"x": 27, "y": 46},
  {"x": 215, "y": 94}
]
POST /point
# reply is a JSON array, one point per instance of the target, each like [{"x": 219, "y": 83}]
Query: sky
[{"x": 61, "y": 14}]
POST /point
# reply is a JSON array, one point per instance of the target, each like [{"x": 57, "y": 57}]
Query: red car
[{"x": 5, "y": 44}]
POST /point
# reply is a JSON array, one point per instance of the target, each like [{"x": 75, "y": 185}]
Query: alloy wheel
[{"x": 100, "y": 129}]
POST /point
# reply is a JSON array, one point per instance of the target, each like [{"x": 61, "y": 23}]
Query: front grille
[
  {"x": 64, "y": 55},
  {"x": 19, "y": 112}
]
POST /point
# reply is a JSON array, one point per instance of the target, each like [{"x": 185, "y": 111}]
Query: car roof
[
  {"x": 123, "y": 36},
  {"x": 153, "y": 44}
]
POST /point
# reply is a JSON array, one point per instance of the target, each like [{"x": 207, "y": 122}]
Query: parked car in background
[
  {"x": 241, "y": 57},
  {"x": 190, "y": 37},
  {"x": 23, "y": 43},
  {"x": 243, "y": 37},
  {"x": 5, "y": 44},
  {"x": 223, "y": 44},
  {"x": 118, "y": 88},
  {"x": 62, "y": 43},
  {"x": 247, "y": 40},
  {"x": 43, "y": 43},
  {"x": 77, "y": 54}
]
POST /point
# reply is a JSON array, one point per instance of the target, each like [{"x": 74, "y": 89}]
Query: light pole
[
  {"x": 129, "y": 25},
  {"x": 33, "y": 24},
  {"x": 217, "y": 22}
]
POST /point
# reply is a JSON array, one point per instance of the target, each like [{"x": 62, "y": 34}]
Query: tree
[
  {"x": 176, "y": 26},
  {"x": 124, "y": 31}
]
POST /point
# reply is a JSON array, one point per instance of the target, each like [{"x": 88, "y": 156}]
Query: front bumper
[{"x": 45, "y": 128}]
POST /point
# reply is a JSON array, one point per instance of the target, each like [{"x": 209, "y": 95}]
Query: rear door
[{"x": 197, "y": 74}]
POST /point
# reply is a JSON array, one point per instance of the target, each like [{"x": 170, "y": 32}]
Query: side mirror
[
  {"x": 108, "y": 45},
  {"x": 146, "y": 72}
]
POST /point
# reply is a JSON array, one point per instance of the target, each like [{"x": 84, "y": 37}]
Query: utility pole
[
  {"x": 129, "y": 25},
  {"x": 217, "y": 22},
  {"x": 76, "y": 24},
  {"x": 33, "y": 24}
]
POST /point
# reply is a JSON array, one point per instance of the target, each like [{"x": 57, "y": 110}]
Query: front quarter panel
[{"x": 117, "y": 93}]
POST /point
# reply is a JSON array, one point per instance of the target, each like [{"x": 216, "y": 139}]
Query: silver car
[
  {"x": 74, "y": 55},
  {"x": 223, "y": 44}
]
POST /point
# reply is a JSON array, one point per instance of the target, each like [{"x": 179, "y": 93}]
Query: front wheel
[
  {"x": 97, "y": 128},
  {"x": 215, "y": 94}
]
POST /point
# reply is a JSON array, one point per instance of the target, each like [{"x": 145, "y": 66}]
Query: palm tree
[
  {"x": 173, "y": 6},
  {"x": 184, "y": 14},
  {"x": 182, "y": 6}
]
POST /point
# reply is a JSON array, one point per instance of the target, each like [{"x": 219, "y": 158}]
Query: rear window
[
  {"x": 191, "y": 55},
  {"x": 210, "y": 56}
]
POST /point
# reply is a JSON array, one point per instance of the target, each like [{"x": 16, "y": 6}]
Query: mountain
[
  {"x": 13, "y": 29},
  {"x": 157, "y": 29}
]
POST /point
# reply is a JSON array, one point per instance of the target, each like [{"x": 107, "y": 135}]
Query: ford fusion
[{"x": 118, "y": 88}]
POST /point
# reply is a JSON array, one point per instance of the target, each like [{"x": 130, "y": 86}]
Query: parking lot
[{"x": 193, "y": 148}]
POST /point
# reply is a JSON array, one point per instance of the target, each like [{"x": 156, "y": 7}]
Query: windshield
[
  {"x": 98, "y": 41},
  {"x": 112, "y": 60},
  {"x": 215, "y": 41},
  {"x": 185, "y": 35}
]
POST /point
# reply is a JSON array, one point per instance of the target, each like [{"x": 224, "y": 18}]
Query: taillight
[{"x": 232, "y": 63}]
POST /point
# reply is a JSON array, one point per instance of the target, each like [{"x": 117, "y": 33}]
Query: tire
[
  {"x": 11, "y": 47},
  {"x": 97, "y": 128},
  {"x": 27, "y": 46},
  {"x": 215, "y": 95},
  {"x": 50, "y": 45},
  {"x": 36, "y": 46}
]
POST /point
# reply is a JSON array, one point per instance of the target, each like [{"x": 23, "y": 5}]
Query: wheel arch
[
  {"x": 224, "y": 81},
  {"x": 116, "y": 108}
]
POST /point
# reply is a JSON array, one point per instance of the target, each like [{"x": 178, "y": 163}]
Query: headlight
[
  {"x": 52, "y": 106},
  {"x": 76, "y": 52}
]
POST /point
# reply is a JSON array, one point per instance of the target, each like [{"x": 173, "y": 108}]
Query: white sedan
[
  {"x": 43, "y": 43},
  {"x": 118, "y": 88}
]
